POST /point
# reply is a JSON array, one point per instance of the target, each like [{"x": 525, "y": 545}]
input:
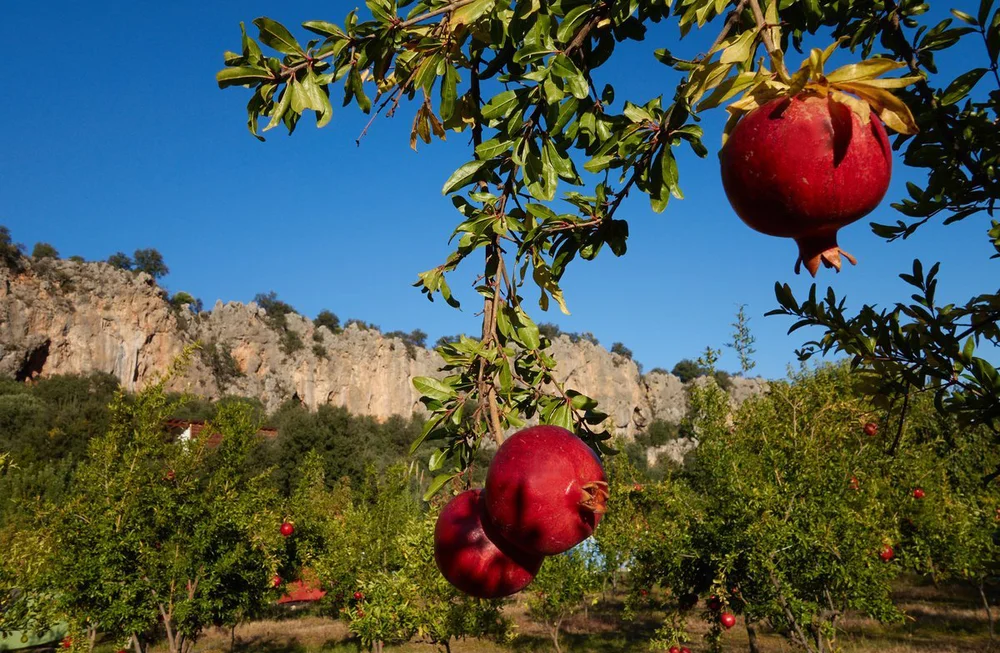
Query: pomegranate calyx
[
  {"x": 820, "y": 249},
  {"x": 595, "y": 497}
]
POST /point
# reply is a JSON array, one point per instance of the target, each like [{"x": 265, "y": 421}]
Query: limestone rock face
[{"x": 65, "y": 317}]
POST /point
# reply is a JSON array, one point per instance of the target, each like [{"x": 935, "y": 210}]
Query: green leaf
[
  {"x": 637, "y": 114},
  {"x": 324, "y": 28},
  {"x": 431, "y": 387},
  {"x": 500, "y": 105},
  {"x": 449, "y": 93},
  {"x": 576, "y": 83},
  {"x": 437, "y": 484},
  {"x": 964, "y": 17},
  {"x": 961, "y": 86},
  {"x": 492, "y": 148},
  {"x": 278, "y": 113},
  {"x": 599, "y": 163},
  {"x": 462, "y": 177},
  {"x": 562, "y": 416},
  {"x": 470, "y": 13},
  {"x": 573, "y": 21},
  {"x": 670, "y": 173},
  {"x": 241, "y": 76},
  {"x": 274, "y": 34},
  {"x": 357, "y": 87}
]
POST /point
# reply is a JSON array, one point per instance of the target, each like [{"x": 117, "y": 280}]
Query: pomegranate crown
[{"x": 859, "y": 86}]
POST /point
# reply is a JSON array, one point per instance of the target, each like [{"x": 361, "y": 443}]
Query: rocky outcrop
[{"x": 59, "y": 317}]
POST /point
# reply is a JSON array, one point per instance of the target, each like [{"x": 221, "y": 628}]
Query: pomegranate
[
  {"x": 854, "y": 484},
  {"x": 674, "y": 649},
  {"x": 473, "y": 556},
  {"x": 887, "y": 553},
  {"x": 358, "y": 596},
  {"x": 287, "y": 529},
  {"x": 727, "y": 620},
  {"x": 713, "y": 603},
  {"x": 545, "y": 490},
  {"x": 685, "y": 649},
  {"x": 276, "y": 581},
  {"x": 871, "y": 428},
  {"x": 918, "y": 493},
  {"x": 802, "y": 168}
]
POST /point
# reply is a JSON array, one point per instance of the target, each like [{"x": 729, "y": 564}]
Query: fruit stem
[{"x": 820, "y": 248}]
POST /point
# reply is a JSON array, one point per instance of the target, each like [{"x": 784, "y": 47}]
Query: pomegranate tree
[
  {"x": 473, "y": 556},
  {"x": 545, "y": 490}
]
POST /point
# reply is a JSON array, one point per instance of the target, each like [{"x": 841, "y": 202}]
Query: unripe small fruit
[
  {"x": 287, "y": 529},
  {"x": 727, "y": 620},
  {"x": 854, "y": 485},
  {"x": 887, "y": 553},
  {"x": 871, "y": 428},
  {"x": 918, "y": 493}
]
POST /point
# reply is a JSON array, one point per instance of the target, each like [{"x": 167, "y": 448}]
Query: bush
[
  {"x": 219, "y": 359},
  {"x": 552, "y": 331},
  {"x": 181, "y": 298},
  {"x": 120, "y": 260},
  {"x": 291, "y": 342},
  {"x": 361, "y": 324},
  {"x": 10, "y": 252},
  {"x": 687, "y": 370},
  {"x": 319, "y": 351},
  {"x": 329, "y": 320},
  {"x": 151, "y": 262},
  {"x": 412, "y": 340},
  {"x": 44, "y": 250}
]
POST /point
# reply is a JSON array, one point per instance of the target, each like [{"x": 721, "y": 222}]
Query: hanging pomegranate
[{"x": 802, "y": 167}]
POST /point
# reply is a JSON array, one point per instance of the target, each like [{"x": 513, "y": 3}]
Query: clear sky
[{"x": 116, "y": 137}]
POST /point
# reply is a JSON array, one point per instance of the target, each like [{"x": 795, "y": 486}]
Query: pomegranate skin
[
  {"x": 473, "y": 557},
  {"x": 545, "y": 490},
  {"x": 802, "y": 168}
]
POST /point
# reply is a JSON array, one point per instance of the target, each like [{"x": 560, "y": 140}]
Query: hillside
[{"x": 67, "y": 317}]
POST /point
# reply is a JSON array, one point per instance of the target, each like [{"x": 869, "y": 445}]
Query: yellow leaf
[
  {"x": 740, "y": 49},
  {"x": 890, "y": 82},
  {"x": 860, "y": 108},
  {"x": 893, "y": 111},
  {"x": 864, "y": 70}
]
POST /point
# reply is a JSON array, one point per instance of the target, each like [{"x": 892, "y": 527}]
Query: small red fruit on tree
[
  {"x": 644, "y": 592},
  {"x": 472, "y": 554},
  {"x": 714, "y": 604},
  {"x": 171, "y": 475},
  {"x": 276, "y": 581},
  {"x": 854, "y": 484},
  {"x": 287, "y": 529},
  {"x": 685, "y": 649},
  {"x": 674, "y": 649},
  {"x": 637, "y": 487},
  {"x": 871, "y": 428},
  {"x": 887, "y": 553},
  {"x": 67, "y": 642},
  {"x": 918, "y": 493},
  {"x": 545, "y": 490},
  {"x": 358, "y": 596},
  {"x": 727, "y": 620},
  {"x": 803, "y": 167}
]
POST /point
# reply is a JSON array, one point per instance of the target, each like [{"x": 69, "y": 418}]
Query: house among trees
[{"x": 187, "y": 429}]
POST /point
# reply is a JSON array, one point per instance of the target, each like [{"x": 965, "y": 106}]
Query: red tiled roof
[
  {"x": 197, "y": 426},
  {"x": 303, "y": 591}
]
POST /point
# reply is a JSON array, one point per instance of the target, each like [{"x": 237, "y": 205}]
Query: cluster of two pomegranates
[{"x": 545, "y": 492}]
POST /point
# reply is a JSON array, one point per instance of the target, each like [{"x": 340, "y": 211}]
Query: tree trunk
[
  {"x": 986, "y": 606},
  {"x": 555, "y": 635},
  {"x": 447, "y": 645},
  {"x": 232, "y": 639},
  {"x": 752, "y": 638},
  {"x": 92, "y": 637}
]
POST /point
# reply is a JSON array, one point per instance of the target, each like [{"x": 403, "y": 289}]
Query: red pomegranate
[
  {"x": 871, "y": 428},
  {"x": 918, "y": 493},
  {"x": 545, "y": 490},
  {"x": 276, "y": 581},
  {"x": 358, "y": 596},
  {"x": 854, "y": 484},
  {"x": 727, "y": 620},
  {"x": 473, "y": 556},
  {"x": 802, "y": 168},
  {"x": 713, "y": 603},
  {"x": 674, "y": 649},
  {"x": 887, "y": 553},
  {"x": 287, "y": 529}
]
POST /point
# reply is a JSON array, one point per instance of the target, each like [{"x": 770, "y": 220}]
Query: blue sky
[{"x": 116, "y": 137}]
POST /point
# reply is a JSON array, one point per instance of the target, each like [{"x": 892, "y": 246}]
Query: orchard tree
[
  {"x": 164, "y": 534},
  {"x": 563, "y": 586},
  {"x": 793, "y": 516}
]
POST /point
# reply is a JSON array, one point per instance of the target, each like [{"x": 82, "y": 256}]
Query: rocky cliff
[{"x": 59, "y": 317}]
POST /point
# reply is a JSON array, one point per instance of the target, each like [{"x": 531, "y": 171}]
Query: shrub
[
  {"x": 44, "y": 250},
  {"x": 329, "y": 320}
]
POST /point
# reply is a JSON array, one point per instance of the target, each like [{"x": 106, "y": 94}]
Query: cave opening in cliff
[{"x": 34, "y": 362}]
